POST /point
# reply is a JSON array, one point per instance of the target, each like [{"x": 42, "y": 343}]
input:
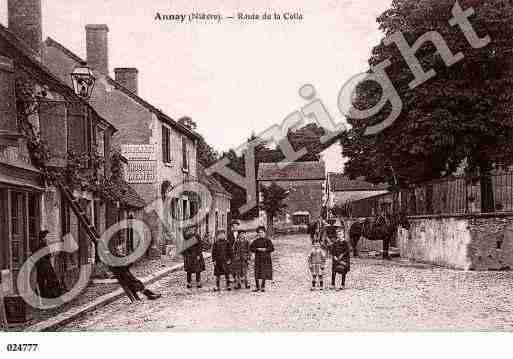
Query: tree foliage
[
  {"x": 460, "y": 116},
  {"x": 273, "y": 202},
  {"x": 307, "y": 136}
]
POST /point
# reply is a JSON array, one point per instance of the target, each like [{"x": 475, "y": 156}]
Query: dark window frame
[{"x": 166, "y": 144}]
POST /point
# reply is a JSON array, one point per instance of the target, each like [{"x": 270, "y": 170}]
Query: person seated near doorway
[{"x": 49, "y": 285}]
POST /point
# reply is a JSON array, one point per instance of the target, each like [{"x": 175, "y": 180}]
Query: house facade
[
  {"x": 305, "y": 182},
  {"x": 54, "y": 157},
  {"x": 218, "y": 217},
  {"x": 161, "y": 152}
]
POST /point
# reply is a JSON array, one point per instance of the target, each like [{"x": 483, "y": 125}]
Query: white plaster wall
[{"x": 441, "y": 241}]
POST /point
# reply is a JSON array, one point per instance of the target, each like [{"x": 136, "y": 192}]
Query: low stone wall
[{"x": 469, "y": 242}]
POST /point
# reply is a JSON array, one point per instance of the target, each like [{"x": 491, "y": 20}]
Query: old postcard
[{"x": 255, "y": 166}]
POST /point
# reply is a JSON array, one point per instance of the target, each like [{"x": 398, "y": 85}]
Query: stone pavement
[{"x": 380, "y": 295}]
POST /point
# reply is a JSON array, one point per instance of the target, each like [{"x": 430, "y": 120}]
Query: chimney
[
  {"x": 127, "y": 77},
  {"x": 25, "y": 21},
  {"x": 98, "y": 48}
]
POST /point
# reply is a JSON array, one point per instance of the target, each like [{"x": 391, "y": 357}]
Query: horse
[{"x": 380, "y": 228}]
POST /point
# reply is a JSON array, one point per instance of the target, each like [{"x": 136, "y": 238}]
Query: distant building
[
  {"x": 305, "y": 182},
  {"x": 161, "y": 152},
  {"x": 219, "y": 214},
  {"x": 342, "y": 190}
]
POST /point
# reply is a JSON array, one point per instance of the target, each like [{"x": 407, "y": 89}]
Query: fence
[{"x": 450, "y": 195}]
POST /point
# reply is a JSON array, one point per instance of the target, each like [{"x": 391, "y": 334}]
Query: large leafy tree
[{"x": 460, "y": 117}]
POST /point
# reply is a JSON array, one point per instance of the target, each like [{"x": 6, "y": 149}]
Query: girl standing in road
[
  {"x": 317, "y": 263},
  {"x": 262, "y": 247},
  {"x": 193, "y": 257}
]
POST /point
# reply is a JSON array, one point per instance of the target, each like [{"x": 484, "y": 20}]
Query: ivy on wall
[{"x": 82, "y": 170}]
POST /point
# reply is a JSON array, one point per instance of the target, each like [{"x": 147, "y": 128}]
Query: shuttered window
[
  {"x": 78, "y": 128},
  {"x": 54, "y": 130},
  {"x": 166, "y": 150},
  {"x": 8, "y": 118}
]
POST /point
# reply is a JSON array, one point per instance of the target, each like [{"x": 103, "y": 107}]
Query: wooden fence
[{"x": 450, "y": 195}]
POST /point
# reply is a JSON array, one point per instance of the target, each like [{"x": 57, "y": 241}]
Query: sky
[{"x": 233, "y": 78}]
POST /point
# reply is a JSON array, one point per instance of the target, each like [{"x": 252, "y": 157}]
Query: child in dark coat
[
  {"x": 222, "y": 254},
  {"x": 241, "y": 255},
  {"x": 193, "y": 258},
  {"x": 262, "y": 247},
  {"x": 341, "y": 263}
]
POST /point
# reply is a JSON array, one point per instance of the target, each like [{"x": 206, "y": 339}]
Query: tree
[
  {"x": 307, "y": 136},
  {"x": 273, "y": 202},
  {"x": 206, "y": 154},
  {"x": 460, "y": 116}
]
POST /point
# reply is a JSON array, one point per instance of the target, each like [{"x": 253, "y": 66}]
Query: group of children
[
  {"x": 338, "y": 248},
  {"x": 231, "y": 258}
]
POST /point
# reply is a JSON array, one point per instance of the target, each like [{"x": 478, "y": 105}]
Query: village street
[{"x": 379, "y": 296}]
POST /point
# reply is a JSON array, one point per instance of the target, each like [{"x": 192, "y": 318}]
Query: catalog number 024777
[{"x": 22, "y": 347}]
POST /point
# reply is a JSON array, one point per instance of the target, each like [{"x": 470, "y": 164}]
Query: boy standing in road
[
  {"x": 222, "y": 253},
  {"x": 241, "y": 255},
  {"x": 341, "y": 264}
]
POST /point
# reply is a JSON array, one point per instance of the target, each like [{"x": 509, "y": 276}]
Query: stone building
[
  {"x": 161, "y": 152},
  {"x": 305, "y": 182},
  {"x": 42, "y": 122}
]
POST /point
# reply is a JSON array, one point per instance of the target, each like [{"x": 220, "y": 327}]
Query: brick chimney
[
  {"x": 97, "y": 46},
  {"x": 127, "y": 77},
  {"x": 25, "y": 21}
]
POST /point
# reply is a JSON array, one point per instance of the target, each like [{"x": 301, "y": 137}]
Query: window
[
  {"x": 100, "y": 142},
  {"x": 65, "y": 218},
  {"x": 185, "y": 162},
  {"x": 16, "y": 220},
  {"x": 166, "y": 144},
  {"x": 184, "y": 210}
]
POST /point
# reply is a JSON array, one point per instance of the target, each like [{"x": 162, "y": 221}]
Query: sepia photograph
[{"x": 304, "y": 169}]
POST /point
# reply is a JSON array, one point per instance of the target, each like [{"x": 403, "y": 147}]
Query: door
[
  {"x": 18, "y": 217},
  {"x": 33, "y": 222}
]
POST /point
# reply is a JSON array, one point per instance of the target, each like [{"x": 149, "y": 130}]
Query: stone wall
[{"x": 477, "y": 242}]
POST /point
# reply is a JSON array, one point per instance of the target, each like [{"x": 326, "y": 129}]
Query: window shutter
[
  {"x": 165, "y": 145},
  {"x": 78, "y": 130},
  {"x": 185, "y": 162},
  {"x": 53, "y": 128},
  {"x": 8, "y": 117}
]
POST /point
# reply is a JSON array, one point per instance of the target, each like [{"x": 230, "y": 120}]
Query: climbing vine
[{"x": 82, "y": 170}]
